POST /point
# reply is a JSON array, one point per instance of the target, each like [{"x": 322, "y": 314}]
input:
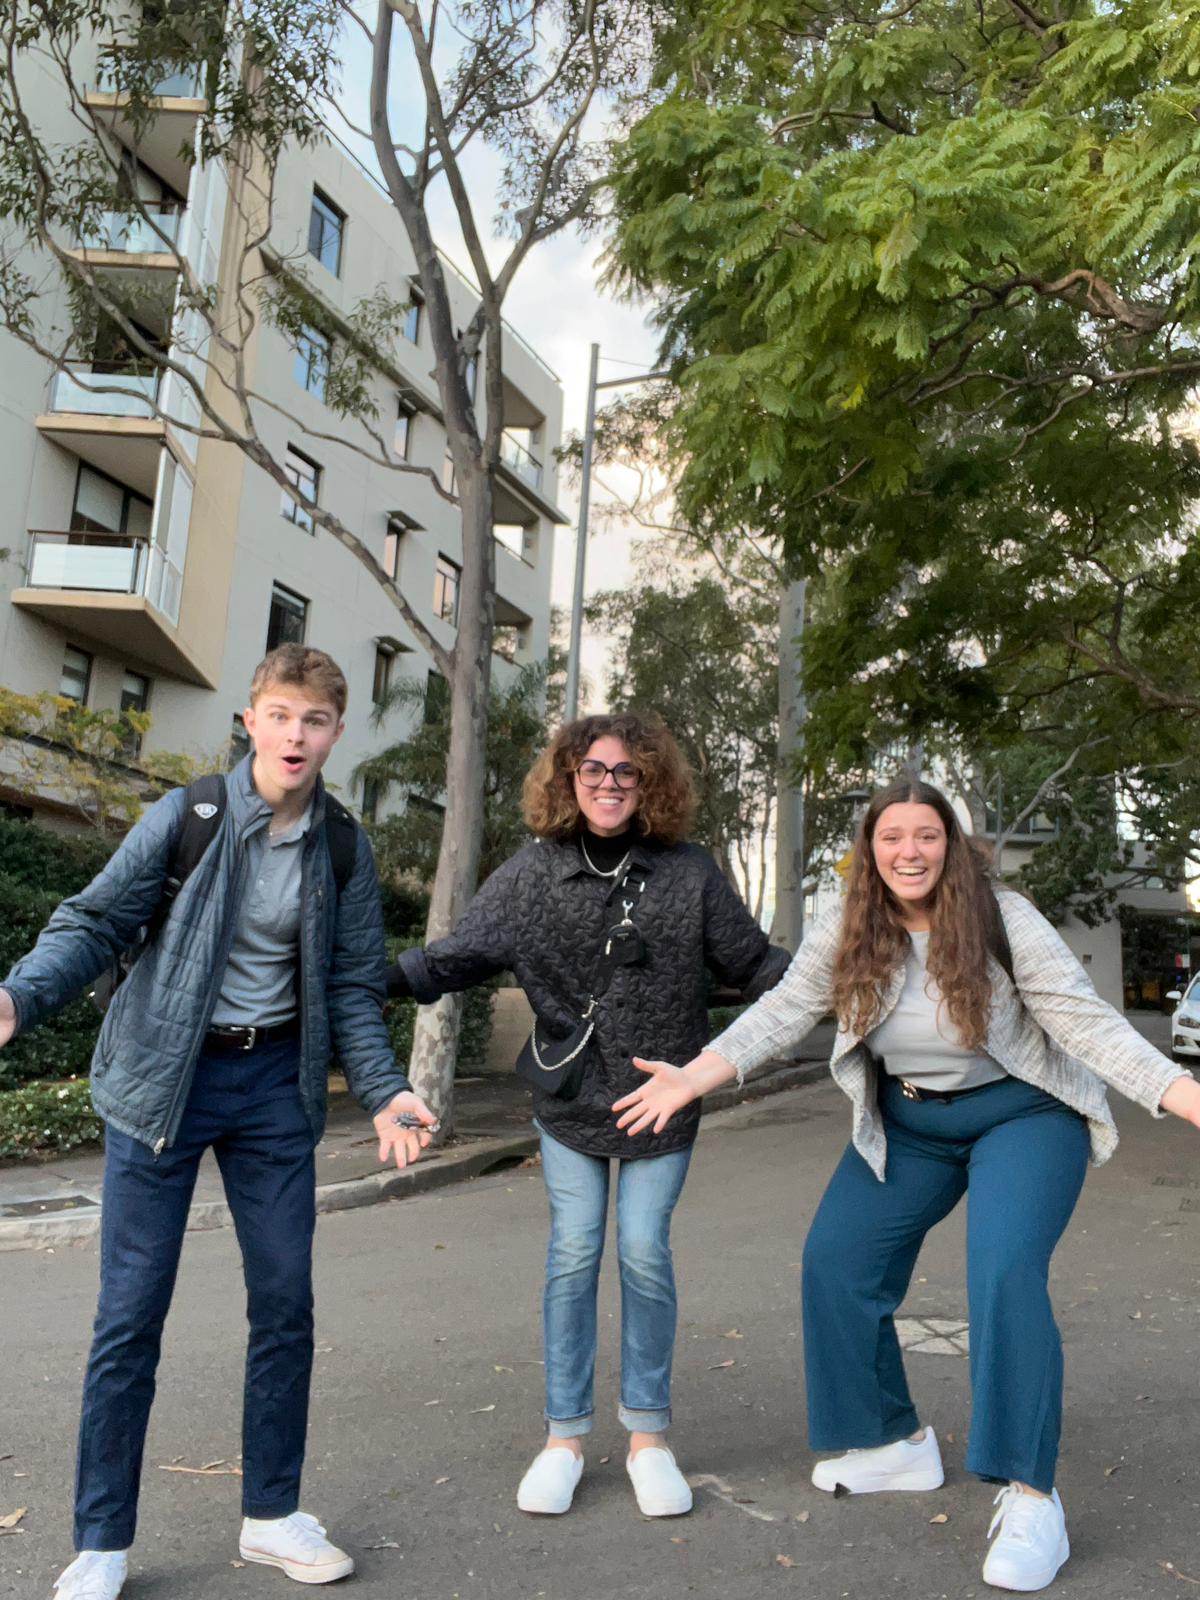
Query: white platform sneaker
[
  {"x": 914, "y": 1465},
  {"x": 1030, "y": 1544}
]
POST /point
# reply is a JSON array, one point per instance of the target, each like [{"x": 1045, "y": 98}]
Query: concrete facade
[{"x": 177, "y": 586}]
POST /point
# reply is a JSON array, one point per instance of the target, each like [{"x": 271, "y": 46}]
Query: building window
[
  {"x": 384, "y": 660},
  {"x": 135, "y": 696},
  {"x": 239, "y": 742},
  {"x": 76, "y": 677},
  {"x": 288, "y": 617},
  {"x": 306, "y": 475},
  {"x": 437, "y": 699},
  {"x": 370, "y": 799},
  {"x": 311, "y": 366},
  {"x": 445, "y": 590},
  {"x": 412, "y": 317},
  {"x": 403, "y": 435},
  {"x": 326, "y": 226},
  {"x": 105, "y": 506},
  {"x": 398, "y": 526}
]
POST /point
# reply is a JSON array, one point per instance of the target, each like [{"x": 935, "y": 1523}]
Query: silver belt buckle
[
  {"x": 909, "y": 1090},
  {"x": 251, "y": 1037}
]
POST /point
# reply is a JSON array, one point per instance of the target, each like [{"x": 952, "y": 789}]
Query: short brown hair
[
  {"x": 666, "y": 797},
  {"x": 301, "y": 668}
]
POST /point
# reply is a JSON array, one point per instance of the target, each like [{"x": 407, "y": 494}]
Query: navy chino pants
[
  {"x": 247, "y": 1107},
  {"x": 1020, "y": 1156}
]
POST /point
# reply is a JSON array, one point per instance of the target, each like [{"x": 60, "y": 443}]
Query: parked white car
[{"x": 1185, "y": 1022}]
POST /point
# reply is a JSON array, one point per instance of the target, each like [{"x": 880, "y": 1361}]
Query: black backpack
[{"x": 205, "y": 806}]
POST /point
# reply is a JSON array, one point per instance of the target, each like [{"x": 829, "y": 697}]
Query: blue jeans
[
  {"x": 247, "y": 1107},
  {"x": 1020, "y": 1157},
  {"x": 647, "y": 1190}
]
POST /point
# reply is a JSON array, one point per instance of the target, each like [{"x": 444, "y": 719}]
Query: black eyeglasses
[{"x": 593, "y": 773}]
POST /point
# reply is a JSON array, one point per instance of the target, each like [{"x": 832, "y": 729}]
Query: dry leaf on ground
[
  {"x": 941, "y": 1517},
  {"x": 802, "y": 1516},
  {"x": 480, "y": 1411},
  {"x": 8, "y": 1524},
  {"x": 720, "y": 1364},
  {"x": 436, "y": 1481},
  {"x": 784, "y": 1561}
]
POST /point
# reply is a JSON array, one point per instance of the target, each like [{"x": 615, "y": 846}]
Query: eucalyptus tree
[{"x": 490, "y": 109}]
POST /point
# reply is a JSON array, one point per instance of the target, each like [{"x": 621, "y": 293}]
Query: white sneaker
[
  {"x": 297, "y": 1545},
  {"x": 549, "y": 1485},
  {"x": 93, "y": 1575},
  {"x": 1032, "y": 1542},
  {"x": 911, "y": 1464},
  {"x": 661, "y": 1489}
]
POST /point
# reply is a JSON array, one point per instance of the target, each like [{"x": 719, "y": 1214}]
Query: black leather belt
[
  {"x": 231, "y": 1039},
  {"x": 913, "y": 1091}
]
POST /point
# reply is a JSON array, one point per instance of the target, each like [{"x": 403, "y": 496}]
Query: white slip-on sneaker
[
  {"x": 93, "y": 1575},
  {"x": 914, "y": 1465},
  {"x": 660, "y": 1487},
  {"x": 549, "y": 1485},
  {"x": 296, "y": 1545},
  {"x": 1031, "y": 1543}
]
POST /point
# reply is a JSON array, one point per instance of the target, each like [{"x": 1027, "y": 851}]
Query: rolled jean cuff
[
  {"x": 569, "y": 1427},
  {"x": 644, "y": 1421}
]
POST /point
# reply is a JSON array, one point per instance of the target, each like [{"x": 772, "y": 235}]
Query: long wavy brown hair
[
  {"x": 666, "y": 795},
  {"x": 964, "y": 926}
]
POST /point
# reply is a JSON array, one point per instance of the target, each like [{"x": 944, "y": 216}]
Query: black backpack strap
[
  {"x": 341, "y": 840},
  {"x": 204, "y": 806}
]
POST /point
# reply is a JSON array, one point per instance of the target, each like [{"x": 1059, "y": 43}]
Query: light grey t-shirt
[
  {"x": 259, "y": 985},
  {"x": 919, "y": 1042}
]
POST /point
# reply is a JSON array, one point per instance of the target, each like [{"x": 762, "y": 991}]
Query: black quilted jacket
[{"x": 543, "y": 916}]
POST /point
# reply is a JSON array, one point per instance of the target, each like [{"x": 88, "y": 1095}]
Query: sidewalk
[{"x": 51, "y": 1203}]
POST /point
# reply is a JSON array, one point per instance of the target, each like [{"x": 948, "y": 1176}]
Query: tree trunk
[
  {"x": 787, "y": 927},
  {"x": 435, "y": 1038}
]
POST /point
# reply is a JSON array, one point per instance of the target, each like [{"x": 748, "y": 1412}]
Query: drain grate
[{"x": 43, "y": 1208}]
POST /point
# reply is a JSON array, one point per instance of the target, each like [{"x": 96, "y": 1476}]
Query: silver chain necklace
[{"x": 613, "y": 872}]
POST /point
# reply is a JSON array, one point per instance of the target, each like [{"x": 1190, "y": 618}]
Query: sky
[{"x": 555, "y": 304}]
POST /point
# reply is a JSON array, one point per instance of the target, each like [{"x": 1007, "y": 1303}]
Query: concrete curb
[{"x": 481, "y": 1157}]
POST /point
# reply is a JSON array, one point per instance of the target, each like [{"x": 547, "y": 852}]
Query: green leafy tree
[
  {"x": 926, "y": 281},
  {"x": 489, "y": 111}
]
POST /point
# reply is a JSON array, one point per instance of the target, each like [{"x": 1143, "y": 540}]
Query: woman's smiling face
[
  {"x": 909, "y": 851},
  {"x": 608, "y": 808}
]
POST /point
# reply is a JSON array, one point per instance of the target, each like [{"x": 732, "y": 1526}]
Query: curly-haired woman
[
  {"x": 609, "y": 802},
  {"x": 972, "y": 1045}
]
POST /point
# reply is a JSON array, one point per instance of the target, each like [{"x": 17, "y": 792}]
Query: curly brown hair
[
  {"x": 666, "y": 795},
  {"x": 964, "y": 925}
]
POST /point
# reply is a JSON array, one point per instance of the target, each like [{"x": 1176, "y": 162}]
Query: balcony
[
  {"x": 177, "y": 102},
  {"x": 108, "y": 419},
  {"x": 122, "y": 592},
  {"x": 521, "y": 460},
  {"x": 142, "y": 239}
]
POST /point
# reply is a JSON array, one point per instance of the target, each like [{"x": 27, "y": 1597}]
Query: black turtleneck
[{"x": 604, "y": 851}]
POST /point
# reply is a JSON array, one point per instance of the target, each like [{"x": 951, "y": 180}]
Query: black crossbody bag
[{"x": 557, "y": 1066}]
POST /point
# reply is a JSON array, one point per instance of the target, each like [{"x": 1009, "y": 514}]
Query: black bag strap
[
  {"x": 341, "y": 839},
  {"x": 623, "y": 895}
]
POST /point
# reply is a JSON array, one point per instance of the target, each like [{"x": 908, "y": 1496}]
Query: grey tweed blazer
[{"x": 1050, "y": 1028}]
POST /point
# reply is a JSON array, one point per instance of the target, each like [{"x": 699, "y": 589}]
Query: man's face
[{"x": 293, "y": 734}]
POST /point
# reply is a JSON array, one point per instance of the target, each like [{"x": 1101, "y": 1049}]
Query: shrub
[{"x": 46, "y": 1116}]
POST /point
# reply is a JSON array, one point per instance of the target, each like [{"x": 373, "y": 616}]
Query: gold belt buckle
[{"x": 909, "y": 1090}]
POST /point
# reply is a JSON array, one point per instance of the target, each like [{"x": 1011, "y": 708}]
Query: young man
[{"x": 221, "y": 1036}]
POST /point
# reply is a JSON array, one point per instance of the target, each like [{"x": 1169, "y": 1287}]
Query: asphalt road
[{"x": 427, "y": 1397}]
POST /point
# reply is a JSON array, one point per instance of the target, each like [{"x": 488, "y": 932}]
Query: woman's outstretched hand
[
  {"x": 667, "y": 1090},
  {"x": 1183, "y": 1099}
]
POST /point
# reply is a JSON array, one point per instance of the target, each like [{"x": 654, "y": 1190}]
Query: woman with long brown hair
[
  {"x": 609, "y": 922},
  {"x": 972, "y": 1046}
]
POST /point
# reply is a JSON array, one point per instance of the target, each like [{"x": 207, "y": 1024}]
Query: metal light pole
[{"x": 571, "y": 699}]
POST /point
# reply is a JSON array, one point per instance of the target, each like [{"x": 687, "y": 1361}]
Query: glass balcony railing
[
  {"x": 104, "y": 394},
  {"x": 514, "y": 455},
  {"x": 110, "y": 563},
  {"x": 181, "y": 83},
  {"x": 133, "y": 233}
]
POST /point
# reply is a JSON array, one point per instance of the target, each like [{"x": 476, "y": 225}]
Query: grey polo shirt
[{"x": 259, "y": 984}]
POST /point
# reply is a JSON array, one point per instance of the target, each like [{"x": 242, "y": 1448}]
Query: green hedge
[{"x": 46, "y": 1116}]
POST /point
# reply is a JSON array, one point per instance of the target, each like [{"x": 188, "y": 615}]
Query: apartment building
[{"x": 150, "y": 567}]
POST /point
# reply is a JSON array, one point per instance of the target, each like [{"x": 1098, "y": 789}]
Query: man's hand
[
  {"x": 8, "y": 1018},
  {"x": 1182, "y": 1098},
  {"x": 404, "y": 1143}
]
